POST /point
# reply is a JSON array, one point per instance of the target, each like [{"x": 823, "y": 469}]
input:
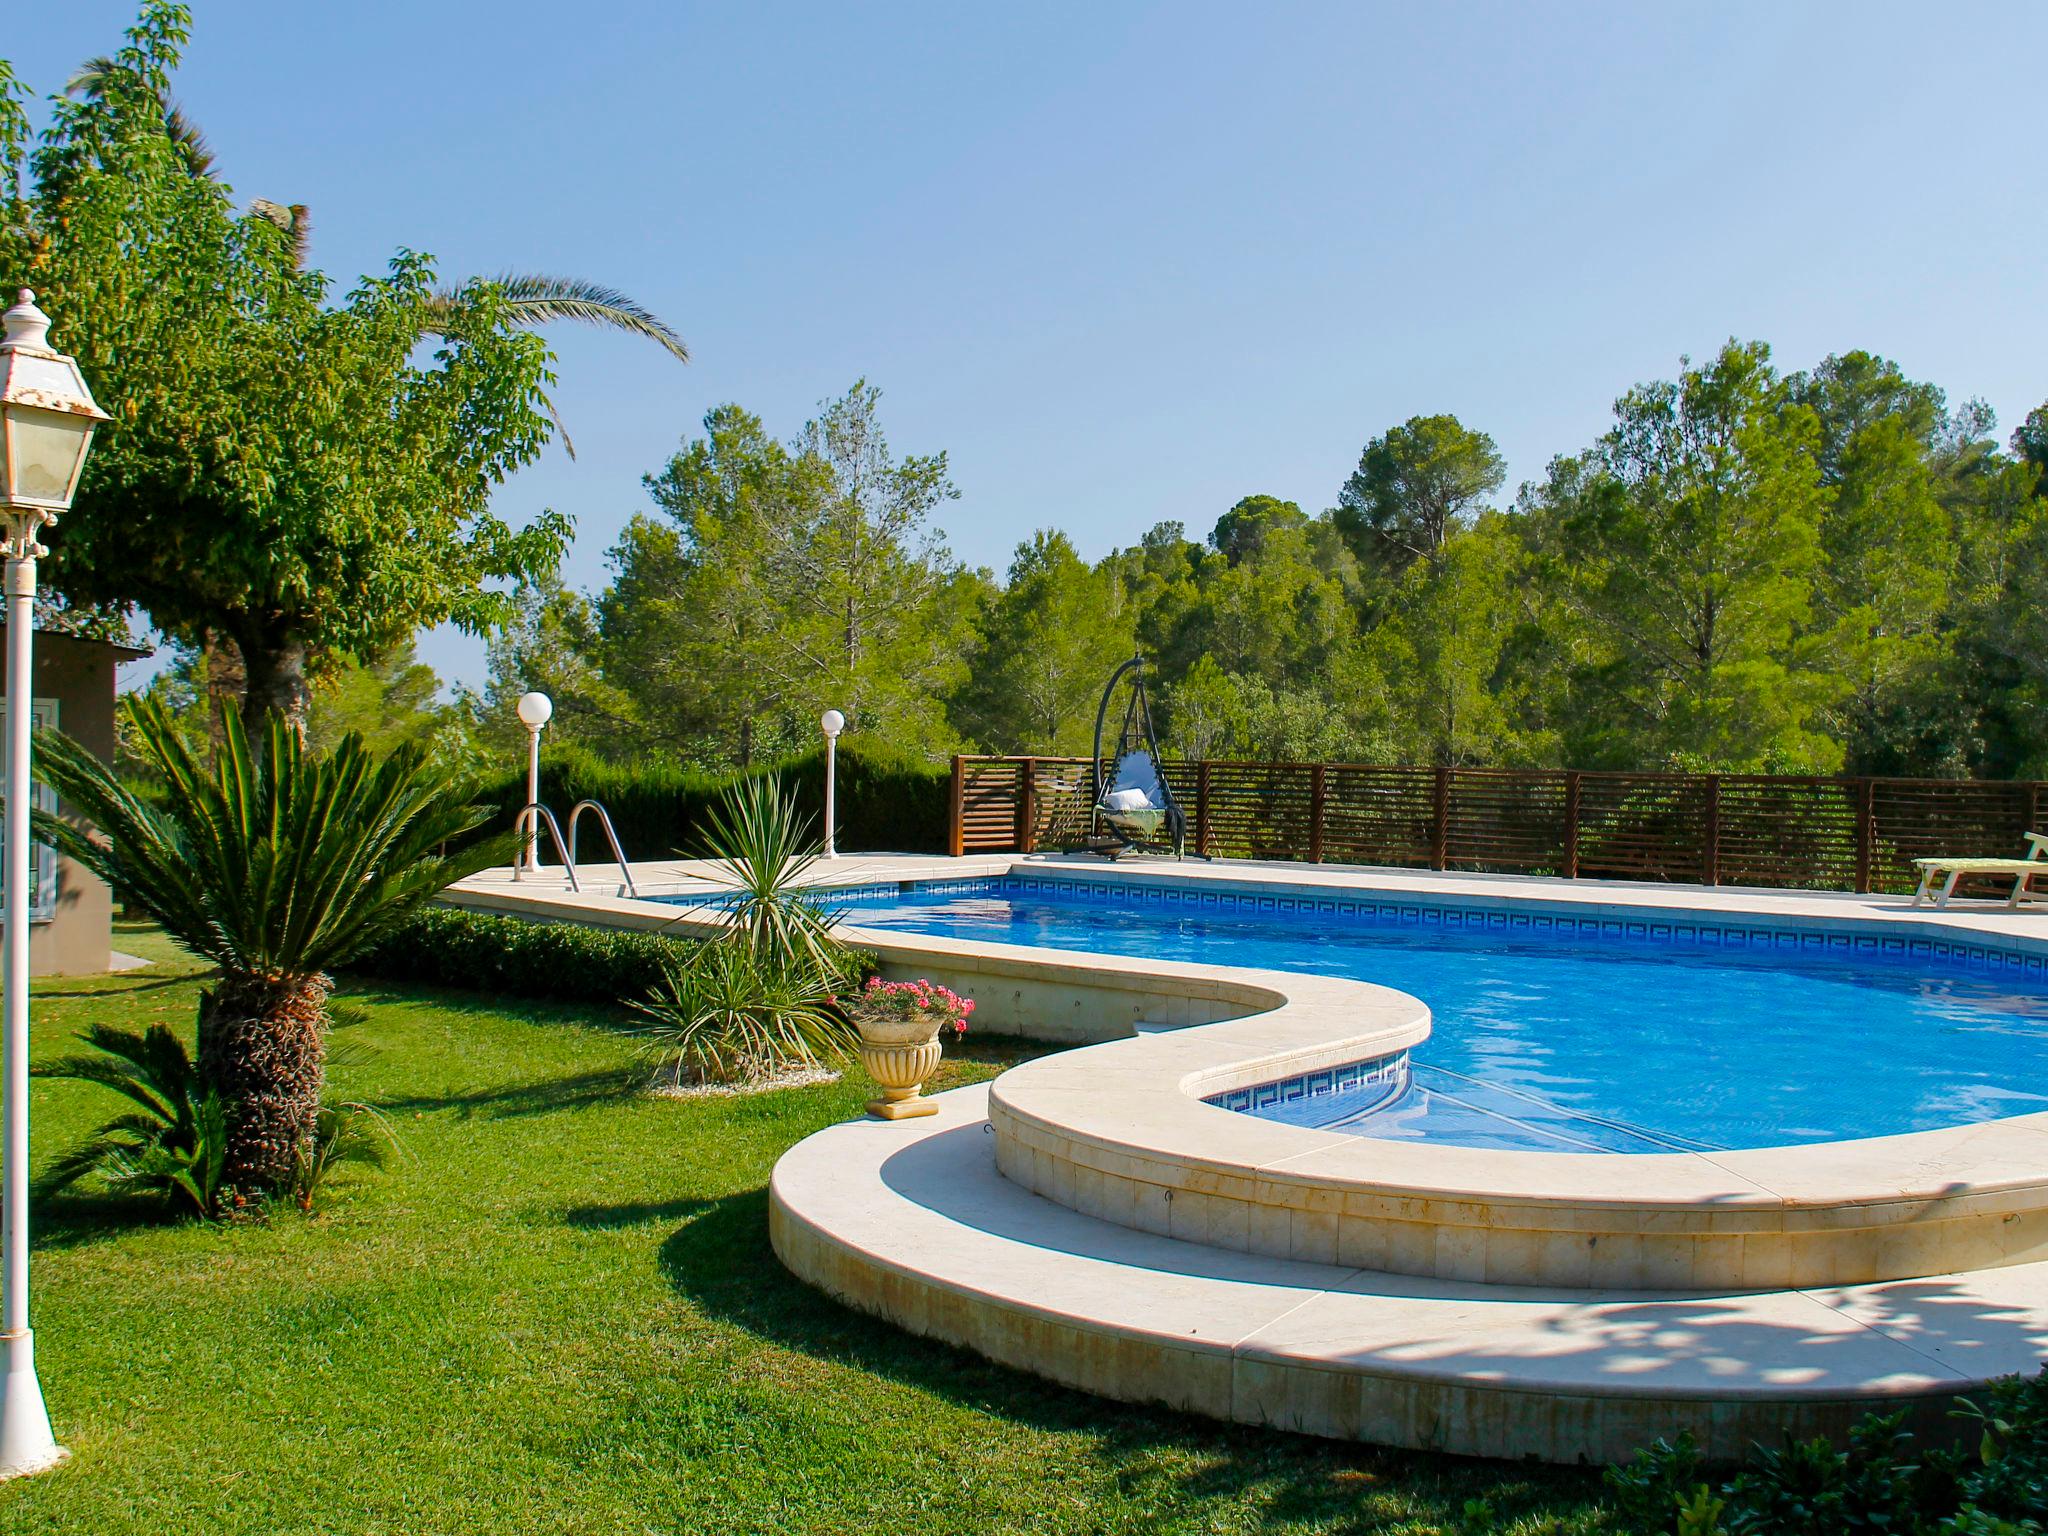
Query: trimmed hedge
[
  {"x": 885, "y": 804},
  {"x": 482, "y": 952}
]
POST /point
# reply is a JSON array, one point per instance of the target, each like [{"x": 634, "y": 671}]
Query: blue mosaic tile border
[
  {"x": 1469, "y": 917},
  {"x": 1374, "y": 1081}
]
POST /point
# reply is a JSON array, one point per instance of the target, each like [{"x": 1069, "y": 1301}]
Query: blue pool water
[{"x": 1575, "y": 1043}]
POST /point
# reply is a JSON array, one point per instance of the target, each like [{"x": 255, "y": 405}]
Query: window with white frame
[{"x": 42, "y": 857}]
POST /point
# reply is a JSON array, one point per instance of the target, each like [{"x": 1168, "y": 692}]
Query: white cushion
[{"x": 1128, "y": 800}]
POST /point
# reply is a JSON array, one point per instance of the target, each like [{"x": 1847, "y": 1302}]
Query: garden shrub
[
  {"x": 562, "y": 962},
  {"x": 1995, "y": 1485},
  {"x": 885, "y": 803}
]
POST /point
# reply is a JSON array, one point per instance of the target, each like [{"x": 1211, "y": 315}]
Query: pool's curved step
[{"x": 912, "y": 1221}]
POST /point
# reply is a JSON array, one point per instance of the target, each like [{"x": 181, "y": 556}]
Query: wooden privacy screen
[{"x": 1711, "y": 829}]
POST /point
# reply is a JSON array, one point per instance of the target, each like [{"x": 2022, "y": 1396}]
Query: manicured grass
[{"x": 560, "y": 1313}]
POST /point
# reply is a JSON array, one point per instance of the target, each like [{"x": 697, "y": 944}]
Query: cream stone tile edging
[
  {"x": 912, "y": 1222},
  {"x": 1118, "y": 1130}
]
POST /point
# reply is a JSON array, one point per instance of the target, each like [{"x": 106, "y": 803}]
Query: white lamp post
[
  {"x": 536, "y": 710},
  {"x": 47, "y": 418},
  {"x": 832, "y": 723}
]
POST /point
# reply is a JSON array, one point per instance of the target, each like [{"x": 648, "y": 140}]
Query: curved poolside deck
[
  {"x": 1089, "y": 1218},
  {"x": 914, "y": 1222}
]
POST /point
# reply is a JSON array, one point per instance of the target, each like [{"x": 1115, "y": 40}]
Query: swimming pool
[{"x": 1572, "y": 1038}]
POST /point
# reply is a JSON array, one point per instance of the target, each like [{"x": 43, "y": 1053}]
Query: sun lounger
[{"x": 1949, "y": 871}]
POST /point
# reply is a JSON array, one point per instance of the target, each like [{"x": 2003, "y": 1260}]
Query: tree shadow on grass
[
  {"x": 71, "y": 1219},
  {"x": 637, "y": 1213},
  {"x": 381, "y": 992},
  {"x": 720, "y": 1260},
  {"x": 585, "y": 1090},
  {"x": 129, "y": 989}
]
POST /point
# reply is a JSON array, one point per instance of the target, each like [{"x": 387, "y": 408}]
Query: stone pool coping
[
  {"x": 1119, "y": 1131},
  {"x": 912, "y": 1221}
]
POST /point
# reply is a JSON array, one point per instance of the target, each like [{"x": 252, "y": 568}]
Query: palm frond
[
  {"x": 276, "y": 868},
  {"x": 174, "y": 1146},
  {"x": 97, "y": 77},
  {"x": 294, "y": 222},
  {"x": 533, "y": 298},
  {"x": 190, "y": 139},
  {"x": 153, "y": 1068},
  {"x": 345, "y": 1132},
  {"x": 91, "y": 78}
]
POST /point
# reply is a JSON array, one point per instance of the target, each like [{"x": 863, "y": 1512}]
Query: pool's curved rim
[{"x": 1137, "y": 1102}]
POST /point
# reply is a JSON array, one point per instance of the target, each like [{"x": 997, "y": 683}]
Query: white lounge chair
[{"x": 1949, "y": 871}]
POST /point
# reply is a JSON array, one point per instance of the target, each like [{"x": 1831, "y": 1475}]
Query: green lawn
[{"x": 561, "y": 1314}]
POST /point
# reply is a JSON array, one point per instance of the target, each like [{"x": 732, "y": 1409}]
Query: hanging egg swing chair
[{"x": 1134, "y": 805}]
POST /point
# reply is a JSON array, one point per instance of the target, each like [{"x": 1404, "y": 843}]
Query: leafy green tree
[
  {"x": 1338, "y": 718},
  {"x": 551, "y": 644},
  {"x": 2030, "y": 445},
  {"x": 389, "y": 701},
  {"x": 1161, "y": 578},
  {"x": 1275, "y": 615},
  {"x": 691, "y": 624},
  {"x": 790, "y": 577},
  {"x": 1884, "y": 585},
  {"x": 1414, "y": 486},
  {"x": 1241, "y": 532},
  {"x": 1445, "y": 627},
  {"x": 1688, "y": 543},
  {"x": 1202, "y": 713},
  {"x": 282, "y": 472},
  {"x": 872, "y": 594},
  {"x": 1852, "y": 392},
  {"x": 1049, "y": 641},
  {"x": 1898, "y": 469},
  {"x": 1999, "y": 618}
]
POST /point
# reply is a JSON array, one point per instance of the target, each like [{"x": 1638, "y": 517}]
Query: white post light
[
  {"x": 535, "y": 710},
  {"x": 47, "y": 418},
  {"x": 832, "y": 723}
]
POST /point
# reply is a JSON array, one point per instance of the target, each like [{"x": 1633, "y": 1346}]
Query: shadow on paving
[{"x": 720, "y": 1261}]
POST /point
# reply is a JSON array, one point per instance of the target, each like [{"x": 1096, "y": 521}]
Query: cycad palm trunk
[{"x": 262, "y": 1047}]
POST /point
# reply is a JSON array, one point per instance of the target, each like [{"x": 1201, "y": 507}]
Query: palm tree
[
  {"x": 277, "y": 869},
  {"x": 528, "y": 299},
  {"x": 96, "y": 78}
]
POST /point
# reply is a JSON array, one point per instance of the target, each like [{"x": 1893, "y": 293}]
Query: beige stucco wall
[{"x": 79, "y": 675}]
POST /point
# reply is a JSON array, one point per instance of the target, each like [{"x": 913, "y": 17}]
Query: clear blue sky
[{"x": 1127, "y": 262}]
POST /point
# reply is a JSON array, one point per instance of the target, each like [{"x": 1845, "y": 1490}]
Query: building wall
[{"x": 79, "y": 675}]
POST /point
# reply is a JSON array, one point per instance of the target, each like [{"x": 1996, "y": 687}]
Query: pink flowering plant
[{"x": 905, "y": 1002}]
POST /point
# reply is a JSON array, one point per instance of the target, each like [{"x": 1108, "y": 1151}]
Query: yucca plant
[
  {"x": 732, "y": 1014},
  {"x": 172, "y": 1145},
  {"x": 759, "y": 999},
  {"x": 761, "y": 849},
  {"x": 277, "y": 869}
]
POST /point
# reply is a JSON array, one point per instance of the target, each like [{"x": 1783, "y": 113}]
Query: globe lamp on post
[
  {"x": 831, "y": 723},
  {"x": 47, "y": 417},
  {"x": 535, "y": 710}
]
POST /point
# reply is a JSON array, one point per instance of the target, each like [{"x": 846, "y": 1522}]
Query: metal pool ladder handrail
[
  {"x": 604, "y": 820},
  {"x": 564, "y": 852}
]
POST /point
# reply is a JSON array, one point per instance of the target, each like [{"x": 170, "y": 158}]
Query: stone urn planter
[
  {"x": 900, "y": 1023},
  {"x": 899, "y": 1055}
]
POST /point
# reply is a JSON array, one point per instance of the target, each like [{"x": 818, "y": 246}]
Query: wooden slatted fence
[{"x": 1855, "y": 834}]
